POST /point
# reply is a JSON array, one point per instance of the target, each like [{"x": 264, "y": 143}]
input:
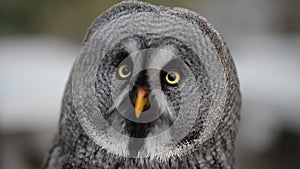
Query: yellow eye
[
  {"x": 124, "y": 71},
  {"x": 173, "y": 77}
]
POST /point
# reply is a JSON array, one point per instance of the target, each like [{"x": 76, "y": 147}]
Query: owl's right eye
[{"x": 124, "y": 71}]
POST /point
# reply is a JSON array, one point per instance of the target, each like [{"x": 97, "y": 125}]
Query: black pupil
[
  {"x": 125, "y": 71},
  {"x": 171, "y": 76}
]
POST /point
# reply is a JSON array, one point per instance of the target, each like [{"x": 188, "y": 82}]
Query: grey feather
[{"x": 197, "y": 121}]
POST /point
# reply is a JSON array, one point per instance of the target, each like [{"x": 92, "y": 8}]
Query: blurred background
[{"x": 39, "y": 40}]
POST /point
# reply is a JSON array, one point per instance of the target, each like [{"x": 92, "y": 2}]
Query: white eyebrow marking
[
  {"x": 161, "y": 57},
  {"x": 132, "y": 46}
]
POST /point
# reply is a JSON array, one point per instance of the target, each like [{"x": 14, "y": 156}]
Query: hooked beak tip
[{"x": 137, "y": 113}]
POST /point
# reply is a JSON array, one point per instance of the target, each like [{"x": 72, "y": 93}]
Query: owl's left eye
[
  {"x": 172, "y": 77},
  {"x": 124, "y": 71}
]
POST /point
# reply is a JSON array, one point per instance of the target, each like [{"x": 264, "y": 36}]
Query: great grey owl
[{"x": 153, "y": 87}]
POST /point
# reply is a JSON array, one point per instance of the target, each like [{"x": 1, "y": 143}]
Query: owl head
[{"x": 152, "y": 82}]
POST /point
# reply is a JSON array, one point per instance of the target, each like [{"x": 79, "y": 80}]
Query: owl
[{"x": 152, "y": 87}]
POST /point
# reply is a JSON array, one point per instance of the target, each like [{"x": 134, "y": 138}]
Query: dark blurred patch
[
  {"x": 64, "y": 18},
  {"x": 16, "y": 16},
  {"x": 283, "y": 154},
  {"x": 24, "y": 149},
  {"x": 288, "y": 16}
]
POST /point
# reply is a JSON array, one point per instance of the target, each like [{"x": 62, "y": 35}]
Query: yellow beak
[{"x": 140, "y": 101}]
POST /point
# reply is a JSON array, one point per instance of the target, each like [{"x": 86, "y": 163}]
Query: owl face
[
  {"x": 145, "y": 78},
  {"x": 146, "y": 84}
]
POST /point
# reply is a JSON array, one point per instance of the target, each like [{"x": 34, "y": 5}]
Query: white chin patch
[{"x": 155, "y": 146}]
